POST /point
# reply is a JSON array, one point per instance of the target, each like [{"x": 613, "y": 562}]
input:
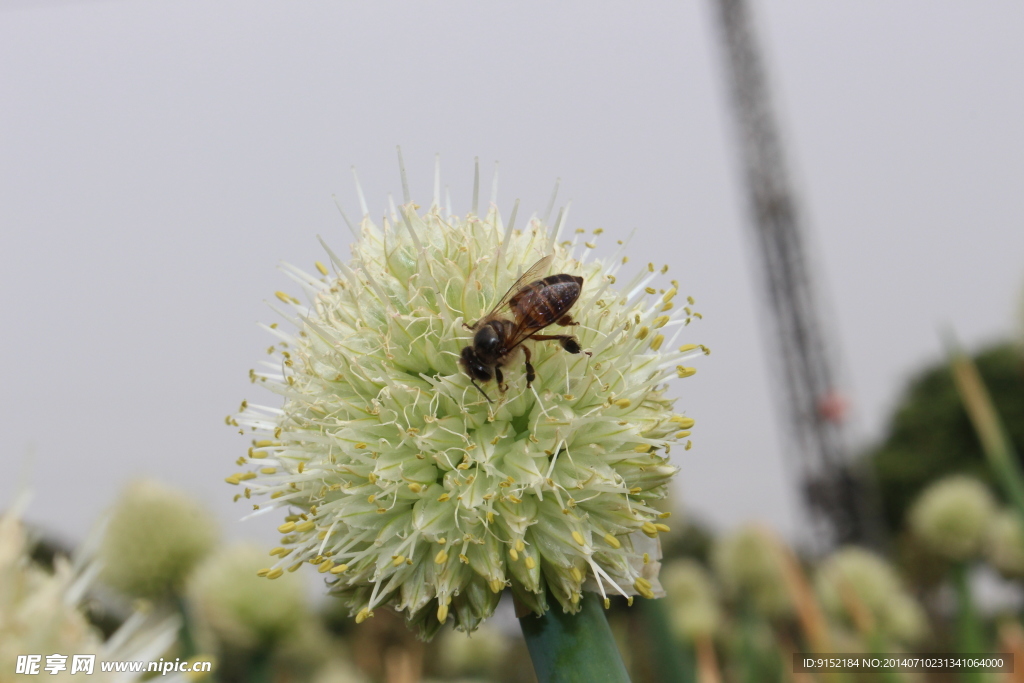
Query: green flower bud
[
  {"x": 242, "y": 609},
  {"x": 952, "y": 517},
  {"x": 1005, "y": 544},
  {"x": 858, "y": 575},
  {"x": 692, "y": 599},
  {"x": 749, "y": 568},
  {"x": 154, "y": 538}
]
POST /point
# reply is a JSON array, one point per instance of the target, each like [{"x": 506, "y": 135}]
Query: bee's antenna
[{"x": 481, "y": 390}]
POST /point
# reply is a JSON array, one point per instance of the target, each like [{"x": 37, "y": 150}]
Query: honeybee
[{"x": 534, "y": 304}]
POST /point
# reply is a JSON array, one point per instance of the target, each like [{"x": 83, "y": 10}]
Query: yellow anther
[
  {"x": 688, "y": 446},
  {"x": 664, "y": 515},
  {"x": 682, "y": 421},
  {"x": 372, "y": 477},
  {"x": 513, "y": 554},
  {"x": 321, "y": 267},
  {"x": 650, "y": 290},
  {"x": 442, "y": 612},
  {"x": 274, "y": 573},
  {"x": 265, "y": 443},
  {"x": 415, "y": 488},
  {"x": 285, "y": 298},
  {"x": 363, "y": 615},
  {"x": 520, "y": 546},
  {"x": 305, "y": 526},
  {"x": 629, "y": 601},
  {"x": 295, "y": 567},
  {"x": 322, "y": 535},
  {"x": 497, "y": 585},
  {"x": 515, "y": 499},
  {"x": 660, "y": 321},
  {"x": 441, "y": 557},
  {"x": 607, "y": 603},
  {"x": 576, "y": 574},
  {"x": 443, "y": 498},
  {"x": 688, "y": 347},
  {"x": 663, "y": 528},
  {"x": 462, "y": 466},
  {"x": 442, "y": 541},
  {"x": 286, "y": 528},
  {"x": 647, "y": 558},
  {"x": 683, "y": 434},
  {"x": 657, "y": 341},
  {"x": 371, "y": 498},
  {"x": 635, "y": 490},
  {"x": 670, "y": 294},
  {"x": 690, "y": 300},
  {"x": 622, "y": 402},
  {"x": 233, "y": 479},
  {"x": 643, "y": 332},
  {"x": 642, "y": 447},
  {"x": 325, "y": 566},
  {"x": 667, "y": 306},
  {"x": 590, "y": 245},
  {"x": 643, "y": 587},
  {"x": 463, "y": 559},
  {"x": 246, "y": 477},
  {"x": 612, "y": 541},
  {"x": 530, "y": 564},
  {"x": 490, "y": 516},
  {"x": 360, "y": 445},
  {"x": 263, "y": 572},
  {"x": 276, "y": 494},
  {"x": 268, "y": 470},
  {"x": 339, "y": 568},
  {"x": 649, "y": 529},
  {"x": 574, "y": 598},
  {"x": 578, "y": 537},
  {"x": 397, "y": 560},
  {"x": 683, "y": 371}
]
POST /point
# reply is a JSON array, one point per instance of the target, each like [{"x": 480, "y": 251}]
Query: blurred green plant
[{"x": 930, "y": 434}]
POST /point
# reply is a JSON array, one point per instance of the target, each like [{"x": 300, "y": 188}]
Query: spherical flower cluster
[
  {"x": 405, "y": 485},
  {"x": 749, "y": 566},
  {"x": 692, "y": 599},
  {"x": 952, "y": 517},
  {"x": 239, "y": 607},
  {"x": 154, "y": 537},
  {"x": 860, "y": 585},
  {"x": 1004, "y": 545},
  {"x": 39, "y": 614}
]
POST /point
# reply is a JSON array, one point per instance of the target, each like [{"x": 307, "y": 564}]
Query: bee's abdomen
[{"x": 543, "y": 302}]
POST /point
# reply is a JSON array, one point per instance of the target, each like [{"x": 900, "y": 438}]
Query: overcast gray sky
[{"x": 157, "y": 160}]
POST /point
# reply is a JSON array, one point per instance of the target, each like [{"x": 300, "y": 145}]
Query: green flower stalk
[
  {"x": 404, "y": 485},
  {"x": 154, "y": 537}
]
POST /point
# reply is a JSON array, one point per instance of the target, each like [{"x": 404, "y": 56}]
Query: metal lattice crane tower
[{"x": 812, "y": 406}]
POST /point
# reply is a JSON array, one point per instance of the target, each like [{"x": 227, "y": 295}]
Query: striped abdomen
[{"x": 544, "y": 302}]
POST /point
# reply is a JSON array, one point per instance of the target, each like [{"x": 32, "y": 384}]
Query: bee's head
[
  {"x": 487, "y": 343},
  {"x": 473, "y": 366}
]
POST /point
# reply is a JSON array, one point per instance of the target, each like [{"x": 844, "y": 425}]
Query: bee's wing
[{"x": 528, "y": 277}]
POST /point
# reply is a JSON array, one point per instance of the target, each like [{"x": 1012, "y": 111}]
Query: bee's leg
[
  {"x": 467, "y": 325},
  {"x": 502, "y": 387},
  {"x": 567, "y": 321},
  {"x": 530, "y": 374},
  {"x": 568, "y": 343}
]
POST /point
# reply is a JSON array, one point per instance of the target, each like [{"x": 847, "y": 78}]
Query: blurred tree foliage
[{"x": 931, "y": 436}]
